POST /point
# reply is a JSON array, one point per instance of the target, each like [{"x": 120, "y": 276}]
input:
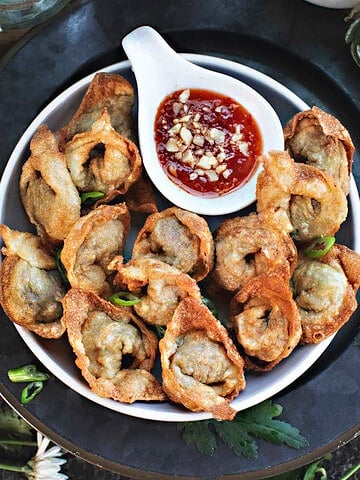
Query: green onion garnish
[
  {"x": 60, "y": 266},
  {"x": 124, "y": 299},
  {"x": 27, "y": 373},
  {"x": 320, "y": 246},
  {"x": 30, "y": 391},
  {"x": 89, "y": 198}
]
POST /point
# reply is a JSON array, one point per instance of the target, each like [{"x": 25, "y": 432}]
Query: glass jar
[{"x": 26, "y": 13}]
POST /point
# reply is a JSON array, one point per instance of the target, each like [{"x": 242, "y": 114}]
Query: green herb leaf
[
  {"x": 27, "y": 373},
  {"x": 260, "y": 422},
  {"x": 14, "y": 431},
  {"x": 199, "y": 435},
  {"x": 357, "y": 340},
  {"x": 89, "y": 198},
  {"x": 235, "y": 436},
  {"x": 238, "y": 434}
]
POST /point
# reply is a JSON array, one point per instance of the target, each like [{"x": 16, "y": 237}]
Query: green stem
[
  {"x": 22, "y": 443},
  {"x": 13, "y": 468},
  {"x": 351, "y": 472}
]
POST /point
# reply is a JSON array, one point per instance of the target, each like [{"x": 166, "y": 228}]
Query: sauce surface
[{"x": 207, "y": 143}]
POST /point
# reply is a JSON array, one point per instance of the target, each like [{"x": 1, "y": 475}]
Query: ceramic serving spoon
[{"x": 159, "y": 71}]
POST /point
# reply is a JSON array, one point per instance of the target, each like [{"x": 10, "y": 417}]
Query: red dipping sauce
[{"x": 207, "y": 143}]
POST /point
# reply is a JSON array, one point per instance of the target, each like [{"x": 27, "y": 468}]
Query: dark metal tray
[{"x": 301, "y": 46}]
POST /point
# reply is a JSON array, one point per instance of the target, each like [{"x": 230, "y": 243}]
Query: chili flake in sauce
[{"x": 207, "y": 143}]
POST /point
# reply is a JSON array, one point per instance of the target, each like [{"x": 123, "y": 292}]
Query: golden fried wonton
[
  {"x": 265, "y": 320},
  {"x": 164, "y": 287},
  {"x": 114, "y": 350},
  {"x": 325, "y": 291},
  {"x": 30, "y": 286},
  {"x": 316, "y": 206},
  {"x": 106, "y": 90},
  {"x": 179, "y": 238},
  {"x": 248, "y": 246},
  {"x": 48, "y": 194},
  {"x": 92, "y": 243},
  {"x": 103, "y": 160},
  {"x": 319, "y": 139},
  {"x": 201, "y": 367}
]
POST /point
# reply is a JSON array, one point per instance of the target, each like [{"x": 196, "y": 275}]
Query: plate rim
[{"x": 28, "y": 337}]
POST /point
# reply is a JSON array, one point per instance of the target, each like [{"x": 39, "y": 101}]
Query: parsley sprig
[{"x": 238, "y": 434}]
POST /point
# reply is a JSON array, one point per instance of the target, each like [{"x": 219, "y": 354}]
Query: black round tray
[{"x": 301, "y": 47}]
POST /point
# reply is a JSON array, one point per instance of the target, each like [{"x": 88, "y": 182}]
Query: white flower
[{"x": 46, "y": 464}]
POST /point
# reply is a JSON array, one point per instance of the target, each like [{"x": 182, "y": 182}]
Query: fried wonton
[
  {"x": 248, "y": 246},
  {"x": 48, "y": 194},
  {"x": 179, "y": 238},
  {"x": 265, "y": 320},
  {"x": 164, "y": 287},
  {"x": 201, "y": 367},
  {"x": 316, "y": 206},
  {"x": 114, "y": 350},
  {"x": 140, "y": 197},
  {"x": 317, "y": 138},
  {"x": 103, "y": 160},
  {"x": 106, "y": 90},
  {"x": 325, "y": 291},
  {"x": 30, "y": 285},
  {"x": 92, "y": 243}
]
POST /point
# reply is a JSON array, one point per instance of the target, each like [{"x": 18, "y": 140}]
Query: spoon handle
[{"x": 153, "y": 61}]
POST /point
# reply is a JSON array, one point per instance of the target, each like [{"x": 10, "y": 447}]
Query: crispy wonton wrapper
[
  {"x": 30, "y": 286},
  {"x": 106, "y": 90},
  {"x": 248, "y": 246},
  {"x": 316, "y": 206},
  {"x": 139, "y": 198},
  {"x": 165, "y": 287},
  {"x": 319, "y": 139},
  {"x": 48, "y": 194},
  {"x": 92, "y": 243},
  {"x": 101, "y": 159},
  {"x": 179, "y": 238},
  {"x": 325, "y": 292},
  {"x": 114, "y": 350},
  {"x": 265, "y": 320},
  {"x": 201, "y": 367}
]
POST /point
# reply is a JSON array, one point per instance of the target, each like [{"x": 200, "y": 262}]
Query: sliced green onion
[
  {"x": 320, "y": 246},
  {"x": 60, "y": 266},
  {"x": 89, "y": 198},
  {"x": 30, "y": 391},
  {"x": 124, "y": 299},
  {"x": 211, "y": 306},
  {"x": 27, "y": 373}
]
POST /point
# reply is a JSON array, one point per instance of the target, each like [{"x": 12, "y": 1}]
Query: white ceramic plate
[{"x": 56, "y": 355}]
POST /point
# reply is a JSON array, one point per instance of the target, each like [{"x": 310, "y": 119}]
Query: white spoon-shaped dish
[{"x": 160, "y": 71}]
